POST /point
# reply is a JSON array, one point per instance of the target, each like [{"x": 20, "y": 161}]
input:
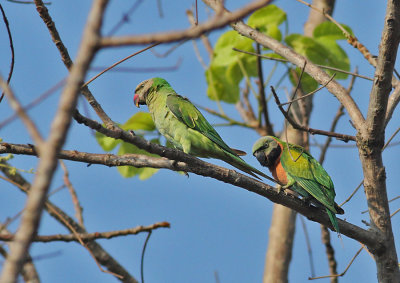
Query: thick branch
[
  {"x": 370, "y": 141},
  {"x": 220, "y": 21},
  {"x": 48, "y": 159},
  {"x": 384, "y": 70},
  {"x": 192, "y": 164}
]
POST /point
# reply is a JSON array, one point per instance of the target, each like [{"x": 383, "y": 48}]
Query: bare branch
[
  {"x": 320, "y": 76},
  {"x": 11, "y": 47},
  {"x": 179, "y": 161},
  {"x": 96, "y": 250},
  {"x": 384, "y": 71},
  {"x": 216, "y": 23},
  {"x": 75, "y": 200},
  {"x": 321, "y": 66},
  {"x": 117, "y": 63},
  {"x": 16, "y": 105},
  {"x": 392, "y": 103},
  {"x": 91, "y": 236},
  {"x": 308, "y": 129},
  {"x": 44, "y": 14},
  {"x": 48, "y": 158}
]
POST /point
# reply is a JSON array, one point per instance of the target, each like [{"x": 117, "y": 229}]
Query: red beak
[{"x": 136, "y": 100}]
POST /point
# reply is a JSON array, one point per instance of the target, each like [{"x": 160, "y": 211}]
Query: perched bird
[
  {"x": 184, "y": 126},
  {"x": 294, "y": 167}
]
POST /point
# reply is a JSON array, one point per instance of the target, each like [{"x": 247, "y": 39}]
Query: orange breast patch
[{"x": 279, "y": 173}]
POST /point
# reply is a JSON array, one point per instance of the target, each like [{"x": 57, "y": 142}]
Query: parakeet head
[
  {"x": 267, "y": 150},
  {"x": 144, "y": 88}
]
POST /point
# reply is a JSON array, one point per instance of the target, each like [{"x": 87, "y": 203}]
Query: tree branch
[
  {"x": 192, "y": 164},
  {"x": 306, "y": 128},
  {"x": 319, "y": 75},
  {"x": 55, "y": 36},
  {"x": 217, "y": 22},
  {"x": 48, "y": 158},
  {"x": 91, "y": 236},
  {"x": 96, "y": 250}
]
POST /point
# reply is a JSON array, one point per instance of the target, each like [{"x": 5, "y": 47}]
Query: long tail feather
[
  {"x": 242, "y": 165},
  {"x": 333, "y": 220}
]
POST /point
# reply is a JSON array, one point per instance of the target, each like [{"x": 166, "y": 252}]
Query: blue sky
[{"x": 214, "y": 226}]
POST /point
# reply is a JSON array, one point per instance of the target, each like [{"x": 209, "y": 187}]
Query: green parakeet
[
  {"x": 300, "y": 171},
  {"x": 184, "y": 126}
]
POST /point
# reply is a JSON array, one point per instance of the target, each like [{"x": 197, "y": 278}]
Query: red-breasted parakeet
[
  {"x": 178, "y": 120},
  {"x": 298, "y": 170}
]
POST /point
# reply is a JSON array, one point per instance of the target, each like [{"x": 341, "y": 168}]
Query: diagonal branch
[
  {"x": 48, "y": 158},
  {"x": 319, "y": 75},
  {"x": 96, "y": 250},
  {"x": 55, "y": 36},
  {"x": 306, "y": 128},
  {"x": 217, "y": 22}
]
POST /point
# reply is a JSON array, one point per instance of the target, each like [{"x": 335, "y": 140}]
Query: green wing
[
  {"x": 188, "y": 114},
  {"x": 309, "y": 174}
]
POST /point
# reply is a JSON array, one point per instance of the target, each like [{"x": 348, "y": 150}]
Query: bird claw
[{"x": 282, "y": 189}]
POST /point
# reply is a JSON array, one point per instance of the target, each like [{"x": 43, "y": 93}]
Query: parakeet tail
[
  {"x": 333, "y": 220},
  {"x": 242, "y": 165},
  {"x": 339, "y": 210}
]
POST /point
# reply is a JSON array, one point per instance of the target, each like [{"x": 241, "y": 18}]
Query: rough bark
[{"x": 370, "y": 143}]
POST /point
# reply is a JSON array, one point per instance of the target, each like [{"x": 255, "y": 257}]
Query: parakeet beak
[{"x": 136, "y": 100}]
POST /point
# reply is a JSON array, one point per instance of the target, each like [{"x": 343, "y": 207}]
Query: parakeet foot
[{"x": 282, "y": 189}]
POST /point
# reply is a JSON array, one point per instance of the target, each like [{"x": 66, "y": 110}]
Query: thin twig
[
  {"x": 394, "y": 213},
  {"x": 117, "y": 63},
  {"x": 16, "y": 105},
  {"x": 142, "y": 69},
  {"x": 55, "y": 36},
  {"x": 142, "y": 258},
  {"x": 125, "y": 17},
  {"x": 75, "y": 200},
  {"x": 345, "y": 270},
  {"x": 351, "y": 39},
  {"x": 311, "y": 93},
  {"x": 230, "y": 120},
  {"x": 215, "y": 23},
  {"x": 261, "y": 93},
  {"x": 352, "y": 194},
  {"x": 84, "y": 237},
  {"x": 11, "y": 47},
  {"x": 320, "y": 66},
  {"x": 35, "y": 102},
  {"x": 309, "y": 250},
  {"x": 312, "y": 131},
  {"x": 335, "y": 121}
]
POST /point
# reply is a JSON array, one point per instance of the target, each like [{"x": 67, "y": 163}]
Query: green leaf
[
  {"x": 224, "y": 55},
  {"x": 130, "y": 171},
  {"x": 225, "y": 73},
  {"x": 322, "y": 51},
  {"x": 146, "y": 173},
  {"x": 139, "y": 121},
  {"x": 106, "y": 143},
  {"x": 221, "y": 83},
  {"x": 265, "y": 17},
  {"x": 331, "y": 31},
  {"x": 274, "y": 32},
  {"x": 308, "y": 84}
]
